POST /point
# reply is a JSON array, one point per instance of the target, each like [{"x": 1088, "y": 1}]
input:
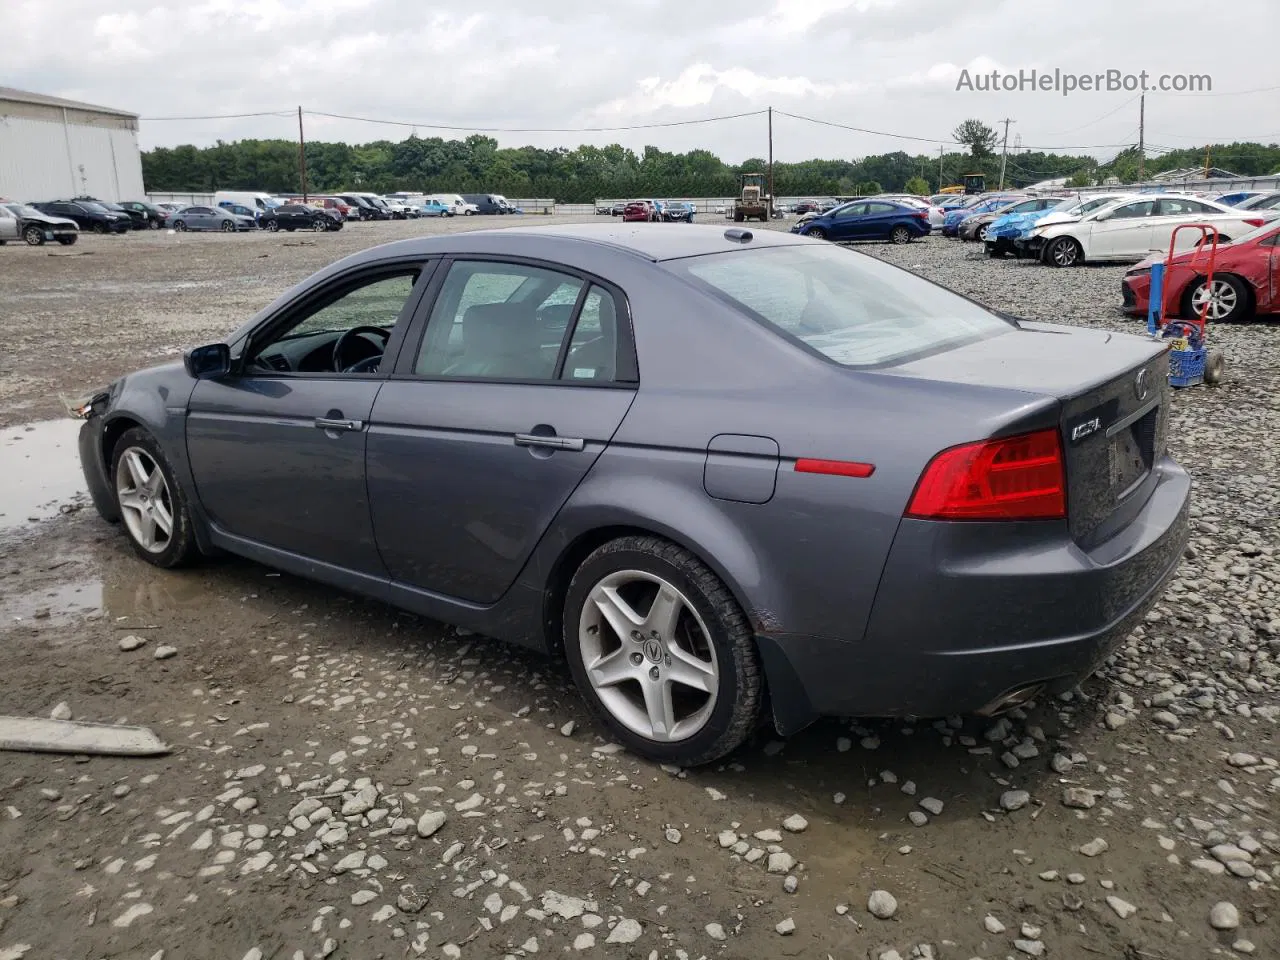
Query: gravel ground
[{"x": 351, "y": 781}]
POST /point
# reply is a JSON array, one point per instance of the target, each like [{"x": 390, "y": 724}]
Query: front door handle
[
  {"x": 330, "y": 423},
  {"x": 551, "y": 442}
]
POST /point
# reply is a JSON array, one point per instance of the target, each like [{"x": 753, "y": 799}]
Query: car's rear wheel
[
  {"x": 152, "y": 504},
  {"x": 99, "y": 228},
  {"x": 662, "y": 652},
  {"x": 1227, "y": 299},
  {"x": 34, "y": 236},
  {"x": 1063, "y": 252},
  {"x": 153, "y": 224},
  {"x": 273, "y": 225},
  {"x": 180, "y": 225},
  {"x": 899, "y": 234}
]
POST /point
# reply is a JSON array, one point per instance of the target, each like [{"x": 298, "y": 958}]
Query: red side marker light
[{"x": 835, "y": 468}]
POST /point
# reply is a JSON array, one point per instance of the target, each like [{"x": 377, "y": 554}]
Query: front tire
[
  {"x": 817, "y": 233},
  {"x": 153, "y": 224},
  {"x": 1063, "y": 252},
  {"x": 1228, "y": 300},
  {"x": 153, "y": 507},
  {"x": 273, "y": 225},
  {"x": 228, "y": 226},
  {"x": 34, "y": 236},
  {"x": 319, "y": 226},
  {"x": 180, "y": 226},
  {"x": 679, "y": 682},
  {"x": 68, "y": 241}
]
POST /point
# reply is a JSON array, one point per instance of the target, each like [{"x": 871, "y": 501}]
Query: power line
[
  {"x": 1096, "y": 119},
  {"x": 878, "y": 133},
  {"x": 1224, "y": 93},
  {"x": 225, "y": 116},
  {"x": 471, "y": 129}
]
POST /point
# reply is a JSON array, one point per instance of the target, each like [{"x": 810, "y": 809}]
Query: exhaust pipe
[{"x": 1008, "y": 701}]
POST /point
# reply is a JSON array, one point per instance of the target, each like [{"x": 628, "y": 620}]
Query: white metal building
[{"x": 55, "y": 149}]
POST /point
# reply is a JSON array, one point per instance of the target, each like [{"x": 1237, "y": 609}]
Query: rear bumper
[{"x": 968, "y": 613}]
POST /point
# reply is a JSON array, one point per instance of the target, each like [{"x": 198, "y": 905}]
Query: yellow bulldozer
[{"x": 752, "y": 203}]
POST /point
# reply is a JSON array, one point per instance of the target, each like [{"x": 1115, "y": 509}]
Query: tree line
[{"x": 477, "y": 164}]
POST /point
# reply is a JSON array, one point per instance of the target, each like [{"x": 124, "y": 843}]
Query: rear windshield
[{"x": 851, "y": 308}]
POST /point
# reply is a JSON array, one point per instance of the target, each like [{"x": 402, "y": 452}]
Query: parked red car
[
  {"x": 1246, "y": 279},
  {"x": 640, "y": 210}
]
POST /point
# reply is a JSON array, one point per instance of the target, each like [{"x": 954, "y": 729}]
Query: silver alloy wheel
[
  {"x": 900, "y": 235},
  {"x": 654, "y": 671},
  {"x": 318, "y": 225},
  {"x": 1064, "y": 252},
  {"x": 145, "y": 503},
  {"x": 228, "y": 226},
  {"x": 1221, "y": 296},
  {"x": 982, "y": 232}
]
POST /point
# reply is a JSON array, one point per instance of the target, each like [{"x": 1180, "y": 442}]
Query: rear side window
[{"x": 849, "y": 307}]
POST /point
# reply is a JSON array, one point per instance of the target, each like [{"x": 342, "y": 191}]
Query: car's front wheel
[
  {"x": 319, "y": 226},
  {"x": 180, "y": 225},
  {"x": 34, "y": 236},
  {"x": 152, "y": 504},
  {"x": 68, "y": 241},
  {"x": 273, "y": 225},
  {"x": 1063, "y": 252},
  {"x": 1226, "y": 301},
  {"x": 228, "y": 226},
  {"x": 662, "y": 652}
]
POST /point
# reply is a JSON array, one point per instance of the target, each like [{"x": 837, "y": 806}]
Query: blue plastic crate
[{"x": 1186, "y": 367}]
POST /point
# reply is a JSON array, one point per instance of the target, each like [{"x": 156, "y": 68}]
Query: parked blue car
[
  {"x": 673, "y": 210},
  {"x": 951, "y": 222},
  {"x": 868, "y": 220},
  {"x": 434, "y": 208},
  {"x": 1232, "y": 199}
]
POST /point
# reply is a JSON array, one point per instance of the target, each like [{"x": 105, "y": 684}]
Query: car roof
[{"x": 650, "y": 241}]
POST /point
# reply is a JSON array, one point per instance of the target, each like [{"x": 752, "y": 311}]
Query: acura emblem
[
  {"x": 653, "y": 650},
  {"x": 1141, "y": 385}
]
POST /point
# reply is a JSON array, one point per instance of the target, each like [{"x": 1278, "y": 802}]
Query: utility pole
[
  {"x": 940, "y": 149},
  {"x": 771, "y": 197},
  {"x": 1004, "y": 151},
  {"x": 1206, "y": 161},
  {"x": 302, "y": 156},
  {"x": 1142, "y": 135}
]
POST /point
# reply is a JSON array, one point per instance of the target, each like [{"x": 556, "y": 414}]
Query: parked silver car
[{"x": 211, "y": 218}]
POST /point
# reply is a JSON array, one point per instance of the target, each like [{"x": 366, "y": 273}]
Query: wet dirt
[
  {"x": 278, "y": 687},
  {"x": 39, "y": 472}
]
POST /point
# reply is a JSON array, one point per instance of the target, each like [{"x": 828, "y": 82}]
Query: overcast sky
[{"x": 886, "y": 65}]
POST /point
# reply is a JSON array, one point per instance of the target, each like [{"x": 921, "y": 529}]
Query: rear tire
[
  {"x": 817, "y": 233},
  {"x": 707, "y": 640},
  {"x": 899, "y": 235},
  {"x": 273, "y": 225},
  {"x": 180, "y": 226}
]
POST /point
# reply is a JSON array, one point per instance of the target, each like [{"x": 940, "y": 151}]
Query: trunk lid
[{"x": 1113, "y": 391}]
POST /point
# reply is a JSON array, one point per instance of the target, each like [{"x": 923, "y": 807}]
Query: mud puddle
[{"x": 39, "y": 472}]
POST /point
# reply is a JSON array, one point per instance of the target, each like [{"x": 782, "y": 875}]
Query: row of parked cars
[
  {"x": 653, "y": 211},
  {"x": 358, "y": 205}
]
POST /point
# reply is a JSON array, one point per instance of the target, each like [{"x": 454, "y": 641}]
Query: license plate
[{"x": 1128, "y": 465}]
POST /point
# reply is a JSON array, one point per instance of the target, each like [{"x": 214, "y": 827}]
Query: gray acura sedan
[{"x": 726, "y": 475}]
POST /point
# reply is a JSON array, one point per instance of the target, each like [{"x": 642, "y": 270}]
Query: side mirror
[
  {"x": 208, "y": 362},
  {"x": 1103, "y": 216}
]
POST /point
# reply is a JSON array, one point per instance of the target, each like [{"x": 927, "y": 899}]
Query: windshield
[
  {"x": 22, "y": 210},
  {"x": 850, "y": 307},
  {"x": 90, "y": 205}
]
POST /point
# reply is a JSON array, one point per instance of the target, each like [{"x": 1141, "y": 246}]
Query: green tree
[
  {"x": 917, "y": 185},
  {"x": 1080, "y": 179},
  {"x": 977, "y": 136},
  {"x": 866, "y": 188}
]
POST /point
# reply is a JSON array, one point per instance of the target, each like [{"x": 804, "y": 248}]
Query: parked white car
[
  {"x": 936, "y": 213},
  {"x": 1132, "y": 229},
  {"x": 455, "y": 202}
]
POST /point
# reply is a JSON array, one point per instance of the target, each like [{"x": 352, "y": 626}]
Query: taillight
[
  {"x": 1012, "y": 478},
  {"x": 1255, "y": 221}
]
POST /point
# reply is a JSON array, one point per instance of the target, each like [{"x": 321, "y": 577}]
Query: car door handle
[
  {"x": 330, "y": 423},
  {"x": 554, "y": 443}
]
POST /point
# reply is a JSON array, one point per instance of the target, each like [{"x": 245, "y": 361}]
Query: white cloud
[{"x": 877, "y": 64}]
